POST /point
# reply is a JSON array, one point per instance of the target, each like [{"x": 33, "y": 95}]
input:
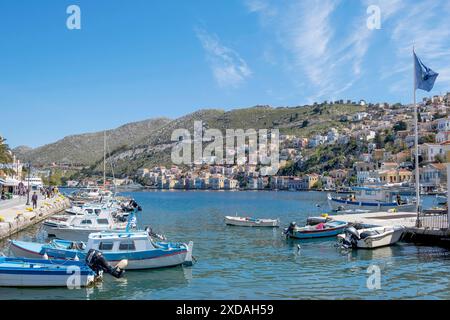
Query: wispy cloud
[
  {"x": 228, "y": 68},
  {"x": 426, "y": 26},
  {"x": 329, "y": 48},
  {"x": 307, "y": 31}
]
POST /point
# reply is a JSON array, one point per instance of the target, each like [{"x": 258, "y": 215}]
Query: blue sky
[{"x": 140, "y": 59}]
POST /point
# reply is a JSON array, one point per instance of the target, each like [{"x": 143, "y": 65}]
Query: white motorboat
[
  {"x": 91, "y": 194},
  {"x": 88, "y": 209},
  {"x": 117, "y": 206},
  {"x": 370, "y": 238},
  {"x": 251, "y": 222},
  {"x": 371, "y": 199},
  {"x": 78, "y": 228}
]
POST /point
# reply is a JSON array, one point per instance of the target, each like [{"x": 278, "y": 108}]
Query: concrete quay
[
  {"x": 420, "y": 235},
  {"x": 405, "y": 219},
  {"x": 16, "y": 216}
]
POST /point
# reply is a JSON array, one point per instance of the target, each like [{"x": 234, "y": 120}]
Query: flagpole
[{"x": 416, "y": 145}]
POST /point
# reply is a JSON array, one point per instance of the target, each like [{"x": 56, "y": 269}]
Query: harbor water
[{"x": 252, "y": 263}]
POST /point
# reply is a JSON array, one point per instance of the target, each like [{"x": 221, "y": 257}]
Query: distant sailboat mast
[{"x": 104, "y": 160}]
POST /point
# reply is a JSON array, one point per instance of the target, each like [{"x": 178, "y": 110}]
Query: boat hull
[
  {"x": 241, "y": 222},
  {"x": 136, "y": 260},
  {"x": 41, "y": 273},
  {"x": 380, "y": 241},
  {"x": 311, "y": 234},
  {"x": 27, "y": 281},
  {"x": 74, "y": 234}
]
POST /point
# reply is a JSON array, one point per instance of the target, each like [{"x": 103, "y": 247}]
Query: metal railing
[{"x": 434, "y": 219}]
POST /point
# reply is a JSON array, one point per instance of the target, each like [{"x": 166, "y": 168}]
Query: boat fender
[
  {"x": 122, "y": 265},
  {"x": 45, "y": 256}
]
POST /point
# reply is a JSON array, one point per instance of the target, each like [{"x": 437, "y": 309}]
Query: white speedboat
[
  {"x": 370, "y": 238},
  {"x": 251, "y": 222}
]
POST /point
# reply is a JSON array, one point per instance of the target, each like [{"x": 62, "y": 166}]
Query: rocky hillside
[
  {"x": 148, "y": 143},
  {"x": 155, "y": 149},
  {"x": 87, "y": 148}
]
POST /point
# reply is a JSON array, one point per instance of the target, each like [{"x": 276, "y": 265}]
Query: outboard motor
[
  {"x": 135, "y": 205},
  {"x": 290, "y": 229},
  {"x": 97, "y": 262},
  {"x": 351, "y": 238},
  {"x": 152, "y": 234},
  {"x": 122, "y": 219},
  {"x": 131, "y": 206}
]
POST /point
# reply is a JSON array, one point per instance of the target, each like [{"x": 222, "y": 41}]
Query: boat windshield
[
  {"x": 127, "y": 246},
  {"x": 102, "y": 221},
  {"x": 106, "y": 246}
]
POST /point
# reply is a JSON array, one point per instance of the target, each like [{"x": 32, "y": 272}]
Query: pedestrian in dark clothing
[{"x": 34, "y": 200}]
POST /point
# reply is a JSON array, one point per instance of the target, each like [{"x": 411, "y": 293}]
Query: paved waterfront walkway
[
  {"x": 10, "y": 208},
  {"x": 15, "y": 215}
]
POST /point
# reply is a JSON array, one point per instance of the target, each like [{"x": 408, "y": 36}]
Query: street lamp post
[{"x": 28, "y": 189}]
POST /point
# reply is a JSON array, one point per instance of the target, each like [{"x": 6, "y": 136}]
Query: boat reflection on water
[
  {"x": 134, "y": 285},
  {"x": 141, "y": 284},
  {"x": 376, "y": 254}
]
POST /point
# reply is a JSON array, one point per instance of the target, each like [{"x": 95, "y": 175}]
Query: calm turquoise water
[{"x": 241, "y": 263}]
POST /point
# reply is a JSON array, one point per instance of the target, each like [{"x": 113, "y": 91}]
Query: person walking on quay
[
  {"x": 21, "y": 189},
  {"x": 34, "y": 200}
]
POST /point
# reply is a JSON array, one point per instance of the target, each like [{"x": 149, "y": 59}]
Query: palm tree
[{"x": 5, "y": 152}]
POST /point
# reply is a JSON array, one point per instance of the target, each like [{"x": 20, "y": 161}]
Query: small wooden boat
[
  {"x": 21, "y": 272},
  {"x": 325, "y": 228},
  {"x": 370, "y": 238},
  {"x": 251, "y": 222}
]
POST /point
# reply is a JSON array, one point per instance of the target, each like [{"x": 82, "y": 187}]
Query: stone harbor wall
[{"x": 18, "y": 218}]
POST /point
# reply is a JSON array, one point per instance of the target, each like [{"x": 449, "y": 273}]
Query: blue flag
[{"x": 425, "y": 77}]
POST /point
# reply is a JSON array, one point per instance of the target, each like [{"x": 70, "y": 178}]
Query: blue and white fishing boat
[
  {"x": 20, "y": 272},
  {"x": 371, "y": 199},
  {"x": 137, "y": 247},
  {"x": 316, "y": 228}
]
